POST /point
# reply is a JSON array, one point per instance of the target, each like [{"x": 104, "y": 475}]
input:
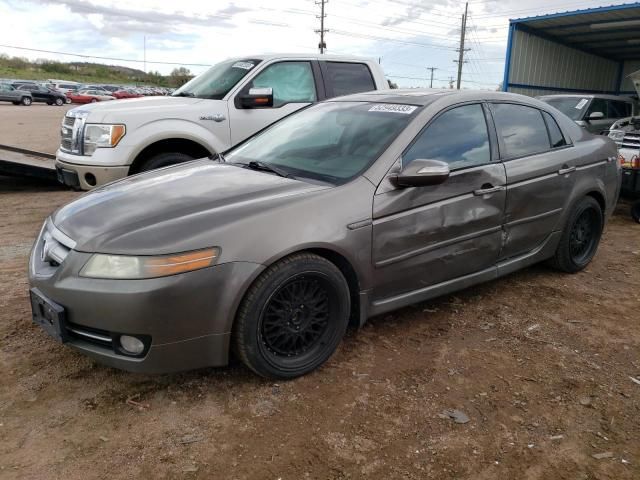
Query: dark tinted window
[
  {"x": 459, "y": 137},
  {"x": 346, "y": 78},
  {"x": 557, "y": 139},
  {"x": 598, "y": 105},
  {"x": 619, "y": 109},
  {"x": 521, "y": 128}
]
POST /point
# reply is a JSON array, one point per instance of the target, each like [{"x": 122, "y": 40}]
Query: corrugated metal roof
[{"x": 612, "y": 32}]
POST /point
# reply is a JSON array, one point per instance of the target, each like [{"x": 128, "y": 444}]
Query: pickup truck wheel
[
  {"x": 635, "y": 211},
  {"x": 26, "y": 101},
  {"x": 293, "y": 317},
  {"x": 164, "y": 160},
  {"x": 580, "y": 237},
  {"x": 59, "y": 102}
]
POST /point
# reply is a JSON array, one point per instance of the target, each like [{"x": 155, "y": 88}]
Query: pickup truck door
[{"x": 295, "y": 84}]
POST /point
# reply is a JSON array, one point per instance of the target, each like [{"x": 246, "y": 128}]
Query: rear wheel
[
  {"x": 293, "y": 317},
  {"x": 94, "y": 100},
  {"x": 164, "y": 160},
  {"x": 580, "y": 237},
  {"x": 67, "y": 100},
  {"x": 635, "y": 211},
  {"x": 59, "y": 102},
  {"x": 26, "y": 101}
]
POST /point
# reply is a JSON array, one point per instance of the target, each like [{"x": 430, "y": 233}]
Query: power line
[{"x": 104, "y": 58}]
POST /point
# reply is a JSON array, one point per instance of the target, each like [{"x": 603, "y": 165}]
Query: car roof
[
  {"x": 305, "y": 56},
  {"x": 587, "y": 95},
  {"x": 426, "y": 96}
]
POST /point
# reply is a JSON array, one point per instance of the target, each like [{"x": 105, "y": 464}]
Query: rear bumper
[{"x": 86, "y": 177}]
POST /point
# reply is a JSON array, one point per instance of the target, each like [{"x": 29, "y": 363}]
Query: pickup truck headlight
[
  {"x": 120, "y": 267},
  {"x": 100, "y": 136},
  {"x": 617, "y": 136}
]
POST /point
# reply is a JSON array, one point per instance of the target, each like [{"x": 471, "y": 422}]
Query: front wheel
[
  {"x": 26, "y": 101},
  {"x": 293, "y": 317},
  {"x": 164, "y": 160},
  {"x": 59, "y": 102},
  {"x": 94, "y": 100},
  {"x": 580, "y": 237}
]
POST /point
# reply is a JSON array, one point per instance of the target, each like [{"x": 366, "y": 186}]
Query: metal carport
[{"x": 585, "y": 51}]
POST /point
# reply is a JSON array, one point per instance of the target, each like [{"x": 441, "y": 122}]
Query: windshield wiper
[
  {"x": 184, "y": 94},
  {"x": 219, "y": 157},
  {"x": 266, "y": 167}
]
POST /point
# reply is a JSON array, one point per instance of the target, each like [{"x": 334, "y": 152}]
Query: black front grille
[{"x": 94, "y": 336}]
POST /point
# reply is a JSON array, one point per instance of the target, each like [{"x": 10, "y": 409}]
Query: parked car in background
[
  {"x": 126, "y": 94},
  {"x": 64, "y": 87},
  {"x": 43, "y": 94},
  {"x": 595, "y": 113},
  {"x": 216, "y": 110},
  {"x": 348, "y": 209},
  {"x": 8, "y": 93},
  {"x": 90, "y": 96},
  {"x": 626, "y": 133}
]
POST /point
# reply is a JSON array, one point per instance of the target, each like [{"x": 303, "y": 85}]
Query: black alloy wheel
[
  {"x": 293, "y": 317},
  {"x": 580, "y": 237}
]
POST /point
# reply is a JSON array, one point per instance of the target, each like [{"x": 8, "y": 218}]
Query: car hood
[
  {"x": 174, "y": 209},
  {"x": 148, "y": 106}
]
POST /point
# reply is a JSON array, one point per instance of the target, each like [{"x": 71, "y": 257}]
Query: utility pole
[
  {"x": 461, "y": 50},
  {"x": 322, "y": 45},
  {"x": 144, "y": 49},
  {"x": 451, "y": 82},
  {"x": 432, "y": 70}
]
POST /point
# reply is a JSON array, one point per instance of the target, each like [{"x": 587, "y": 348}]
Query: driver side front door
[{"x": 426, "y": 236}]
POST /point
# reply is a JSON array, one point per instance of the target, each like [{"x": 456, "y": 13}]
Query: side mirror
[
  {"x": 596, "y": 116},
  {"x": 257, "y": 98},
  {"x": 421, "y": 173}
]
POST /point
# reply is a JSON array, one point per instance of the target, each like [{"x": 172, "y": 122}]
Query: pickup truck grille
[
  {"x": 631, "y": 140},
  {"x": 71, "y": 132}
]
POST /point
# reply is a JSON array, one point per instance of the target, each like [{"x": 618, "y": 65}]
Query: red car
[
  {"x": 88, "y": 96},
  {"x": 126, "y": 94}
]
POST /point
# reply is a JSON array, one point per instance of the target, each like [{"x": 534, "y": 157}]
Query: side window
[
  {"x": 522, "y": 129},
  {"x": 598, "y": 105},
  {"x": 292, "y": 82},
  {"x": 555, "y": 134},
  {"x": 459, "y": 137},
  {"x": 347, "y": 78},
  {"x": 619, "y": 109}
]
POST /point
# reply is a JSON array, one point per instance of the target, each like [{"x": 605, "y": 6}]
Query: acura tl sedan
[{"x": 348, "y": 209}]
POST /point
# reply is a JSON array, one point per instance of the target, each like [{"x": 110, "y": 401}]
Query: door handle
[
  {"x": 564, "y": 170},
  {"x": 487, "y": 189}
]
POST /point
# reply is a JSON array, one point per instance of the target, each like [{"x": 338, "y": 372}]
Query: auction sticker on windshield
[
  {"x": 243, "y": 65},
  {"x": 581, "y": 104},
  {"x": 393, "y": 108}
]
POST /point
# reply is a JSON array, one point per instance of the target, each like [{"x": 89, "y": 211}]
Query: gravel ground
[{"x": 541, "y": 363}]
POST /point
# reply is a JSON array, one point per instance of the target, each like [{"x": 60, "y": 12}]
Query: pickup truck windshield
[
  {"x": 216, "y": 82},
  {"x": 328, "y": 142},
  {"x": 572, "y": 107}
]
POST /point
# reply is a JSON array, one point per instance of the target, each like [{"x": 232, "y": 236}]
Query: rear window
[
  {"x": 347, "y": 78},
  {"x": 521, "y": 128}
]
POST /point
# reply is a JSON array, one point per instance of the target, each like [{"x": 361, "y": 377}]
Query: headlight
[
  {"x": 617, "y": 136},
  {"x": 101, "y": 136},
  {"x": 131, "y": 267}
]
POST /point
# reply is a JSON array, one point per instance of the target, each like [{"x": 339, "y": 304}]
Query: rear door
[
  {"x": 345, "y": 78},
  {"x": 294, "y": 85},
  {"x": 540, "y": 175},
  {"x": 423, "y": 236}
]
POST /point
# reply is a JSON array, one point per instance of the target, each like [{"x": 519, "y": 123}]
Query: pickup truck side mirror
[
  {"x": 257, "y": 98},
  {"x": 421, "y": 173},
  {"x": 596, "y": 116}
]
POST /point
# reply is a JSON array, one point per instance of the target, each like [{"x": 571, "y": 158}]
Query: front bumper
[
  {"x": 187, "y": 317},
  {"x": 86, "y": 177}
]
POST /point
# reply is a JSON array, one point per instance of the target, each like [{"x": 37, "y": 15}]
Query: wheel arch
[
  {"x": 174, "y": 144},
  {"x": 598, "y": 197}
]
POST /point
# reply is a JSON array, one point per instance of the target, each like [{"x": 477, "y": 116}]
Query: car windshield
[
  {"x": 216, "y": 82},
  {"x": 329, "y": 142},
  {"x": 572, "y": 107}
]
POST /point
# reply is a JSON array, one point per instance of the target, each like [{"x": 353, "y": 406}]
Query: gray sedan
[
  {"x": 9, "y": 94},
  {"x": 348, "y": 209}
]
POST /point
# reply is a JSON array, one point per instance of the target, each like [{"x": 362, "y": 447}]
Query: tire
[
  {"x": 164, "y": 160},
  {"x": 26, "y": 101},
  {"x": 49, "y": 103},
  {"x": 67, "y": 101},
  {"x": 635, "y": 211},
  {"x": 59, "y": 102},
  {"x": 293, "y": 317},
  {"x": 580, "y": 237},
  {"x": 94, "y": 100},
  {"x": 16, "y": 103}
]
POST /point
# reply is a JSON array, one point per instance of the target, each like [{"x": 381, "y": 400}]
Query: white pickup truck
[
  {"x": 102, "y": 142},
  {"x": 626, "y": 133}
]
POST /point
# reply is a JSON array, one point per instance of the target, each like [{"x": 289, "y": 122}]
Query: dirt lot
[
  {"x": 540, "y": 362},
  {"x": 36, "y": 127}
]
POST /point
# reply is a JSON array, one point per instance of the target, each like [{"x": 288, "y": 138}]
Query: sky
[{"x": 406, "y": 36}]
